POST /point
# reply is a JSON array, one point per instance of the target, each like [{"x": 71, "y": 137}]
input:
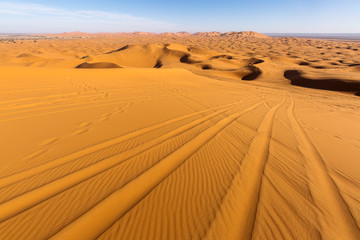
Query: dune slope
[{"x": 177, "y": 141}]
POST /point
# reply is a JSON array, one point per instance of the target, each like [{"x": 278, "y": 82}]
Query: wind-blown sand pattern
[{"x": 179, "y": 136}]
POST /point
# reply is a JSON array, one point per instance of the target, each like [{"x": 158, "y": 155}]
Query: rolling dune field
[{"x": 179, "y": 136}]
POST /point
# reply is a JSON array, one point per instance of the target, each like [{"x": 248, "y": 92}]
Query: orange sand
[{"x": 179, "y": 136}]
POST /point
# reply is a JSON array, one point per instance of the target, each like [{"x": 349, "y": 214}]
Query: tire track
[
  {"x": 335, "y": 217},
  {"x": 69, "y": 96},
  {"x": 103, "y": 215},
  {"x": 106, "y": 103},
  {"x": 50, "y": 102},
  {"x": 185, "y": 214},
  {"x": 26, "y": 185},
  {"x": 27, "y": 200},
  {"x": 32, "y": 90},
  {"x": 98, "y": 104},
  {"x": 82, "y": 96},
  {"x": 56, "y": 96},
  {"x": 60, "y": 161},
  {"x": 241, "y": 199}
]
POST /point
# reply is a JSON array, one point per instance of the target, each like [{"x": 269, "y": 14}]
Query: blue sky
[{"x": 266, "y": 16}]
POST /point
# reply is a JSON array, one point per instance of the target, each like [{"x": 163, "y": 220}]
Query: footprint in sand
[
  {"x": 34, "y": 154},
  {"x": 118, "y": 110},
  {"x": 85, "y": 124},
  {"x": 338, "y": 136},
  {"x": 49, "y": 141},
  {"x": 105, "y": 117},
  {"x": 81, "y": 131}
]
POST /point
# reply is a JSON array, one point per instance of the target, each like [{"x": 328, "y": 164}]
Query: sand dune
[
  {"x": 98, "y": 65},
  {"x": 246, "y": 34},
  {"x": 335, "y": 84},
  {"x": 179, "y": 136},
  {"x": 243, "y": 34}
]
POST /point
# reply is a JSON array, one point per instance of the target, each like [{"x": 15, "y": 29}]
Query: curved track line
[
  {"x": 243, "y": 195},
  {"x": 97, "y": 104},
  {"x": 50, "y": 102},
  {"x": 336, "y": 219},
  {"x": 29, "y": 199},
  {"x": 60, "y": 161},
  {"x": 103, "y": 215},
  {"x": 73, "y": 94}
]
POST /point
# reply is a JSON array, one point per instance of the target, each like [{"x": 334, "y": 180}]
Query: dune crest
[
  {"x": 243, "y": 34},
  {"x": 179, "y": 136},
  {"x": 246, "y": 34}
]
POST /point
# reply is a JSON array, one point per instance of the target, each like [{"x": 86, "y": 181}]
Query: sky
[{"x": 265, "y": 16}]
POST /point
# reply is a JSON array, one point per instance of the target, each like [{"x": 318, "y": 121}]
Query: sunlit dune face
[{"x": 179, "y": 136}]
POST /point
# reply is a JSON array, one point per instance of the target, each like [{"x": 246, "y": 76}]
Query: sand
[{"x": 179, "y": 136}]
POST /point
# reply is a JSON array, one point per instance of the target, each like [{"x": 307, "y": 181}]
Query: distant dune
[
  {"x": 245, "y": 34},
  {"x": 208, "y": 34},
  {"x": 261, "y": 57},
  {"x": 209, "y": 135},
  {"x": 334, "y": 36}
]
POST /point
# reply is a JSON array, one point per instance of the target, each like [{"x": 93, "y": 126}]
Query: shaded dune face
[
  {"x": 255, "y": 61},
  {"x": 223, "y": 56},
  {"x": 98, "y": 65},
  {"x": 211, "y": 64},
  {"x": 142, "y": 56},
  {"x": 255, "y": 73},
  {"x": 186, "y": 59},
  {"x": 232, "y": 56},
  {"x": 118, "y": 50},
  {"x": 158, "y": 64},
  {"x": 194, "y": 59},
  {"x": 296, "y": 77},
  {"x": 25, "y": 55}
]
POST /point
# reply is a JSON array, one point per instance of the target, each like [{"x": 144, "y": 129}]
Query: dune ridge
[
  {"x": 179, "y": 136},
  {"x": 242, "y": 34}
]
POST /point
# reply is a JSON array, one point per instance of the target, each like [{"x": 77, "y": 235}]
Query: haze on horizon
[{"x": 298, "y": 16}]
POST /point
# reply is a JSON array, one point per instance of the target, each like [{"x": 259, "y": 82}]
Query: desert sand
[{"x": 179, "y": 136}]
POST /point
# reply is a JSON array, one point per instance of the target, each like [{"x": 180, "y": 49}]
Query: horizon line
[{"x": 191, "y": 32}]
